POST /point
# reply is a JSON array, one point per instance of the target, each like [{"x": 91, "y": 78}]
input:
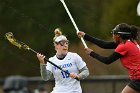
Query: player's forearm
[
  {"x": 84, "y": 72},
  {"x": 100, "y": 43},
  {"x": 106, "y": 60},
  {"x": 45, "y": 74}
]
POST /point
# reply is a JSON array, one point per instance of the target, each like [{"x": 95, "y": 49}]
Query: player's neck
[{"x": 61, "y": 56}]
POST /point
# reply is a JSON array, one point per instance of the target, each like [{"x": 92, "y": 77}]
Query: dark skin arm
[
  {"x": 106, "y": 60},
  {"x": 98, "y": 42}
]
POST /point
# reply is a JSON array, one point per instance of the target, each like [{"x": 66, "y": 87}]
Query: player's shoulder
[
  {"x": 72, "y": 53},
  {"x": 53, "y": 57}
]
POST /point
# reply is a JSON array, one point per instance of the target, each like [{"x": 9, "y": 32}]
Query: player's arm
[
  {"x": 100, "y": 43},
  {"x": 84, "y": 72},
  {"x": 45, "y": 74},
  {"x": 106, "y": 60}
]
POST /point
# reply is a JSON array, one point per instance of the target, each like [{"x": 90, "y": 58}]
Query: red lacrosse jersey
[{"x": 131, "y": 58}]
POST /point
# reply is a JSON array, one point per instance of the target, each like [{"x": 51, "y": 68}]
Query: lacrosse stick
[
  {"x": 67, "y": 10},
  {"x": 10, "y": 37},
  {"x": 138, "y": 9}
]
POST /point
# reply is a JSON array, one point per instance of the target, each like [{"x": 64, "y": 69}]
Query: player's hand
[
  {"x": 41, "y": 58},
  {"x": 80, "y": 34},
  {"x": 88, "y": 50},
  {"x": 74, "y": 75}
]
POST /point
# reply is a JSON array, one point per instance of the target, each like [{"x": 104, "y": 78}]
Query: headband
[{"x": 60, "y": 38}]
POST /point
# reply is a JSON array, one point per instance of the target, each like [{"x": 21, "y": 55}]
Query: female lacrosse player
[
  {"x": 71, "y": 62},
  {"x": 126, "y": 49}
]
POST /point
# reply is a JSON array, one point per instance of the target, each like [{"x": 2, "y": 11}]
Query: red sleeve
[{"x": 121, "y": 49}]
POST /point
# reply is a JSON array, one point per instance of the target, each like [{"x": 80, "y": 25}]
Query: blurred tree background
[{"x": 34, "y": 21}]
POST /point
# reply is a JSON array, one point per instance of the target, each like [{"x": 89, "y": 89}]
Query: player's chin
[{"x": 65, "y": 50}]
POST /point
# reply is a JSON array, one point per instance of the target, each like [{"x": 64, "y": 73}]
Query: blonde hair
[{"x": 57, "y": 33}]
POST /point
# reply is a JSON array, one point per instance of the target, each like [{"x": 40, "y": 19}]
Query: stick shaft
[
  {"x": 72, "y": 20},
  {"x": 33, "y": 50}
]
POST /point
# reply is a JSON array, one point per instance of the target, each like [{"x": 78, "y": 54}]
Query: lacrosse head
[{"x": 10, "y": 37}]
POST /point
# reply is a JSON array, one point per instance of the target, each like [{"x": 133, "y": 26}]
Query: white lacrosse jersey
[{"x": 63, "y": 83}]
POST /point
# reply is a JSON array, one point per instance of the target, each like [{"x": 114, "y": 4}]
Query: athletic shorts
[{"x": 135, "y": 84}]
